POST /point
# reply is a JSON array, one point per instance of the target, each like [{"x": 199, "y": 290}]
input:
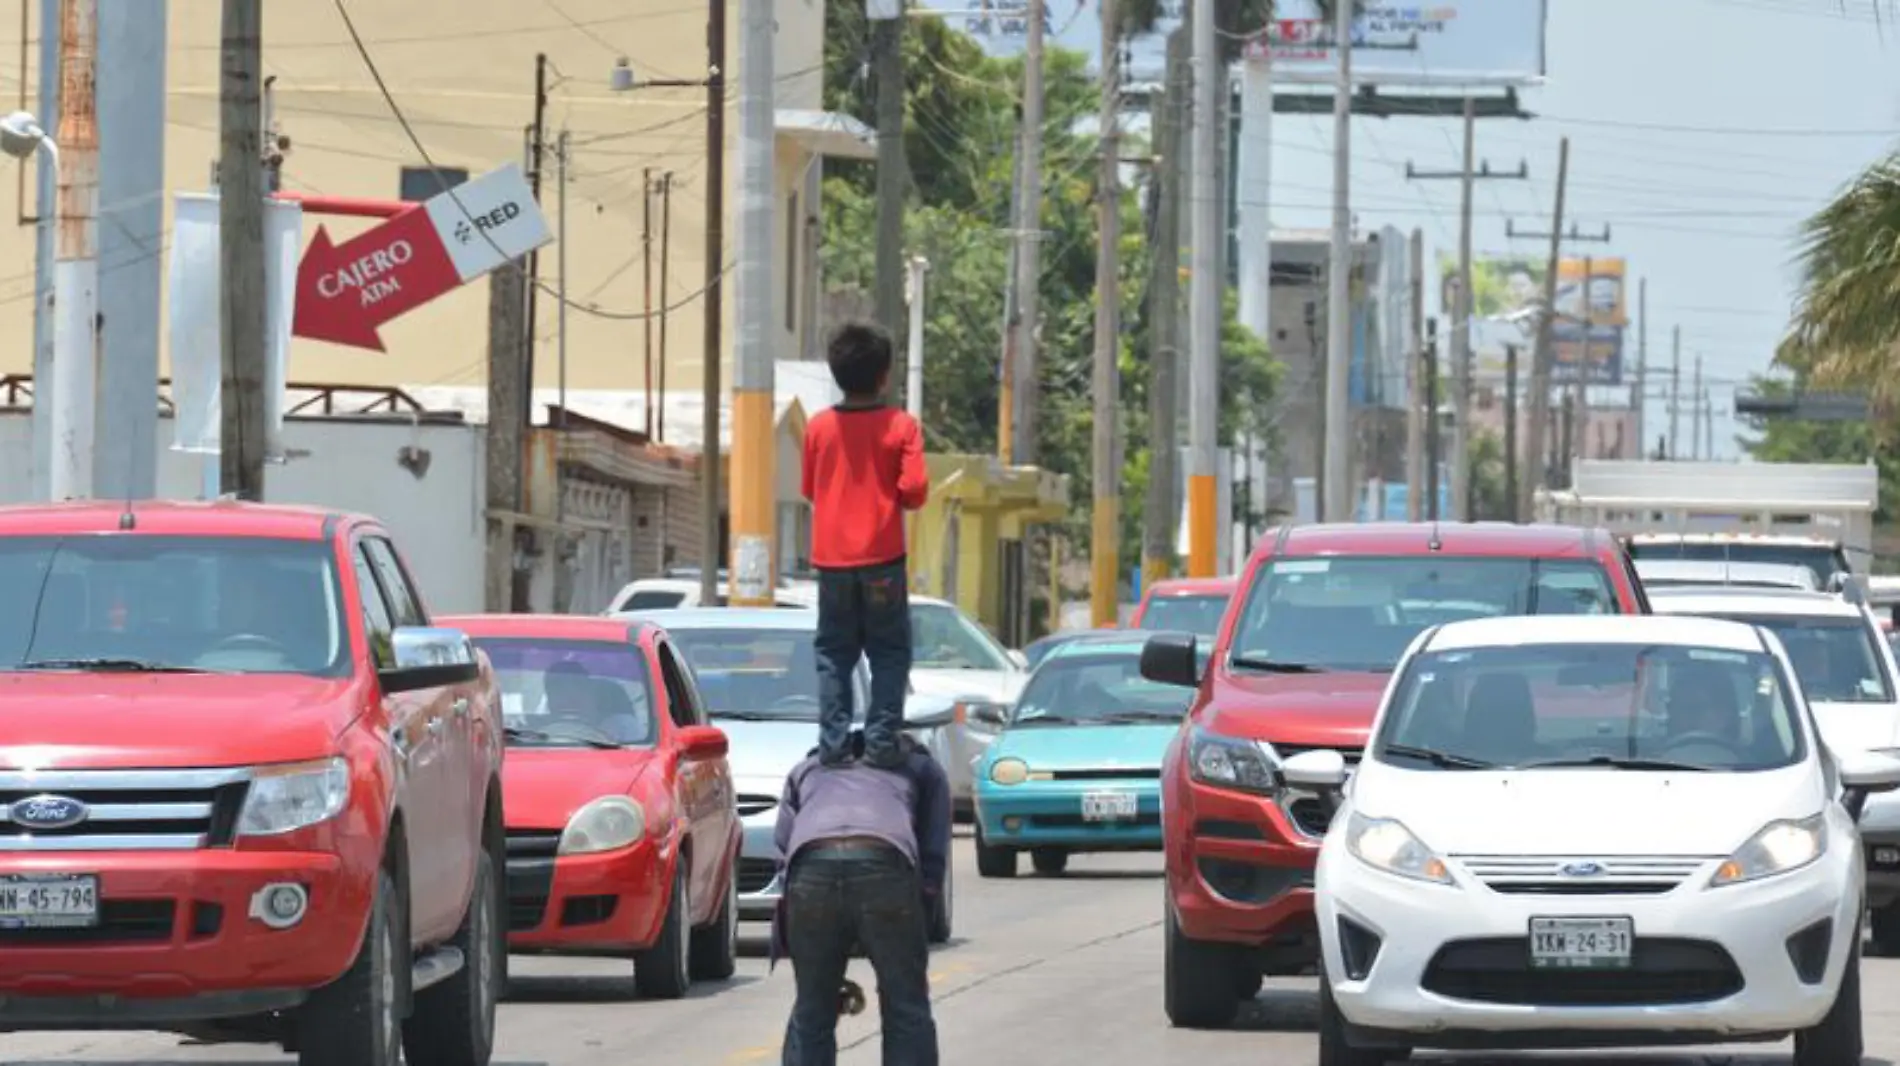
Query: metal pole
[
  {"x": 666, "y": 248},
  {"x": 1162, "y": 515},
  {"x": 1338, "y": 469},
  {"x": 914, "y": 351},
  {"x": 1415, "y": 388},
  {"x": 754, "y": 471},
  {"x": 241, "y": 299},
  {"x": 1461, "y": 331},
  {"x": 76, "y": 269},
  {"x": 1026, "y": 394},
  {"x": 1537, "y": 428},
  {"x": 560, "y": 320},
  {"x": 1675, "y": 389},
  {"x": 646, "y": 287},
  {"x": 1639, "y": 393},
  {"x": 1510, "y": 425},
  {"x": 709, "y": 444},
  {"x": 45, "y": 209},
  {"x": 1256, "y": 192},
  {"x": 1105, "y": 541},
  {"x": 1695, "y": 414},
  {"x": 1433, "y": 431},
  {"x": 1006, "y": 373},
  {"x": 1204, "y": 301},
  {"x": 887, "y": 72}
]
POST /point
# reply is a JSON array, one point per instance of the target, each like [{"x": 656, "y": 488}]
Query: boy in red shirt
[{"x": 863, "y": 468}]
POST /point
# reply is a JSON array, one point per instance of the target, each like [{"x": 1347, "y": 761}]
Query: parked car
[
  {"x": 1324, "y": 613},
  {"x": 259, "y": 795},
  {"x": 954, "y": 657},
  {"x": 1672, "y": 573},
  {"x": 1078, "y": 769},
  {"x": 758, "y": 673},
  {"x": 1713, "y": 893},
  {"x": 1185, "y": 604},
  {"x": 1036, "y": 650},
  {"x": 683, "y": 590},
  {"x": 623, "y": 834},
  {"x": 1847, "y": 674}
]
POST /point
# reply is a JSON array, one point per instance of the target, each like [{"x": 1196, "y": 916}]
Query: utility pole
[
  {"x": 1639, "y": 392},
  {"x": 1205, "y": 286},
  {"x": 1537, "y": 430},
  {"x": 1467, "y": 176},
  {"x": 666, "y": 247},
  {"x": 1161, "y": 514},
  {"x": 1675, "y": 389},
  {"x": 507, "y": 307},
  {"x": 1338, "y": 465},
  {"x": 887, "y": 72},
  {"x": 914, "y": 350},
  {"x": 709, "y": 555},
  {"x": 1006, "y": 378},
  {"x": 1695, "y": 413},
  {"x": 1510, "y": 425},
  {"x": 1575, "y": 384},
  {"x": 754, "y": 469},
  {"x": 76, "y": 266},
  {"x": 1708, "y": 423},
  {"x": 1105, "y": 543},
  {"x": 537, "y": 160},
  {"x": 1415, "y": 388},
  {"x": 241, "y": 298},
  {"x": 1432, "y": 450},
  {"x": 1027, "y": 392},
  {"x": 646, "y": 287}
]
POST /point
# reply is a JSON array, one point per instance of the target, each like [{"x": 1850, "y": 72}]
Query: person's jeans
[
  {"x": 863, "y": 613},
  {"x": 845, "y": 897}
]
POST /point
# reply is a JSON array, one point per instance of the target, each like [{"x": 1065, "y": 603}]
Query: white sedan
[{"x": 1590, "y": 832}]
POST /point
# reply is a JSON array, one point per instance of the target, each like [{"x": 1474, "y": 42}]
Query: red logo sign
[{"x": 345, "y": 292}]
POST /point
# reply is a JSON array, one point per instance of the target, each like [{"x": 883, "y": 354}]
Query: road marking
[{"x": 753, "y": 1054}]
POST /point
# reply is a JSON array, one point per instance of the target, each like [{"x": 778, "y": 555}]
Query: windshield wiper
[
  {"x": 1248, "y": 662},
  {"x": 1440, "y": 759},
  {"x": 747, "y": 716},
  {"x": 1142, "y": 716},
  {"x": 1616, "y": 762},
  {"x": 539, "y": 737},
  {"x": 1042, "y": 719},
  {"x": 110, "y": 665}
]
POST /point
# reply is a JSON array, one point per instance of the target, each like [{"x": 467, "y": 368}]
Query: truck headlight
[
  {"x": 606, "y": 824},
  {"x": 284, "y": 799},
  {"x": 1779, "y": 848},
  {"x": 1385, "y": 844},
  {"x": 1009, "y": 771},
  {"x": 1230, "y": 762}
]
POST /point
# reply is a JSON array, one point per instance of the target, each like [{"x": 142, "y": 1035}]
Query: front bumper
[
  {"x": 1049, "y": 814},
  {"x": 759, "y": 886},
  {"x": 1240, "y": 870},
  {"x": 1439, "y": 966},
  {"x": 610, "y": 903},
  {"x": 176, "y": 942}
]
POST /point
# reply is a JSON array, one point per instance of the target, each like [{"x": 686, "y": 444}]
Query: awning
[{"x": 828, "y": 133}]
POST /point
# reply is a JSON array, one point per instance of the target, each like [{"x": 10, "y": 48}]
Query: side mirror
[
  {"x": 704, "y": 742},
  {"x": 1864, "y": 773},
  {"x": 429, "y": 657},
  {"x": 994, "y": 715},
  {"x": 1169, "y": 659},
  {"x": 1321, "y": 770},
  {"x": 1017, "y": 657},
  {"x": 929, "y": 712}
]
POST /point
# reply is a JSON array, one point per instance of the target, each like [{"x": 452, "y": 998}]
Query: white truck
[{"x": 1818, "y": 515}]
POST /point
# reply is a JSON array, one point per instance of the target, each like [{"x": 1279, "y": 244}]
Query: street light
[{"x": 21, "y": 136}]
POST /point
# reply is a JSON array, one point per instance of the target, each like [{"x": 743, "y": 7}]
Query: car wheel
[
  {"x": 1049, "y": 861},
  {"x": 1885, "y": 930},
  {"x": 993, "y": 861},
  {"x": 664, "y": 971},
  {"x": 942, "y": 909},
  {"x": 356, "y": 1020},
  {"x": 1198, "y": 980},
  {"x": 454, "y": 1022},
  {"x": 1250, "y": 982},
  {"x": 716, "y": 947},
  {"x": 1334, "y": 1049},
  {"x": 1836, "y": 1041}
]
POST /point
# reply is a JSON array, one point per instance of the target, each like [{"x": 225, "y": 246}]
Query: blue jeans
[
  {"x": 863, "y": 613},
  {"x": 858, "y": 896}
]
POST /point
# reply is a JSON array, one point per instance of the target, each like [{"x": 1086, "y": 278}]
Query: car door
[
  {"x": 705, "y": 785},
  {"x": 435, "y": 805}
]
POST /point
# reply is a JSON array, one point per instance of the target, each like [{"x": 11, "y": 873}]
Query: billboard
[
  {"x": 1456, "y": 42},
  {"x": 1504, "y": 288},
  {"x": 1001, "y": 28}
]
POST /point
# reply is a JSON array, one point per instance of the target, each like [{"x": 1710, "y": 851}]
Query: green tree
[
  {"x": 1846, "y": 328},
  {"x": 1785, "y": 440}
]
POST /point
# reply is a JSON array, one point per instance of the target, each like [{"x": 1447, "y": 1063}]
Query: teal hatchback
[{"x": 1078, "y": 767}]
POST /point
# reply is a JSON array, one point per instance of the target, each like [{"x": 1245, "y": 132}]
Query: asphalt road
[{"x": 1044, "y": 971}]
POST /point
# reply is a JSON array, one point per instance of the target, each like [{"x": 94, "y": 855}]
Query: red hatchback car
[
  {"x": 1301, "y": 662},
  {"x": 623, "y": 837},
  {"x": 1185, "y": 604}
]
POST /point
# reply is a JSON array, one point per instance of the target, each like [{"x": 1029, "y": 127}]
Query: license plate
[
  {"x": 34, "y": 901},
  {"x": 1581, "y": 943},
  {"x": 1108, "y": 806}
]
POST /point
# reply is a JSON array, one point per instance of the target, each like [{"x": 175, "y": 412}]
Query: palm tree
[{"x": 1846, "y": 327}]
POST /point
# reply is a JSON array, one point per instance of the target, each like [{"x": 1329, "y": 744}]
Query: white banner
[
  {"x": 191, "y": 295},
  {"x": 1454, "y": 42}
]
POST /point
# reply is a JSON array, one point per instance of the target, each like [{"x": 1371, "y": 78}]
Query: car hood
[
  {"x": 1461, "y": 812},
  {"x": 766, "y": 751},
  {"x": 541, "y": 788},
  {"x": 1333, "y": 709},
  {"x": 999, "y": 686},
  {"x": 165, "y": 721},
  {"x": 1851, "y": 727},
  {"x": 1086, "y": 747}
]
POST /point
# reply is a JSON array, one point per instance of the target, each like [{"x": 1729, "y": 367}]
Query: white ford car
[{"x": 1575, "y": 832}]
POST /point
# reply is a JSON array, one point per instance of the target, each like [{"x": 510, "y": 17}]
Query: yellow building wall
[{"x": 463, "y": 73}]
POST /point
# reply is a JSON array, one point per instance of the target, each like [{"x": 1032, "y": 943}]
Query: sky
[{"x": 1702, "y": 132}]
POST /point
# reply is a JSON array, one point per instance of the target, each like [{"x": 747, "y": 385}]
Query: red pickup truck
[{"x": 247, "y": 791}]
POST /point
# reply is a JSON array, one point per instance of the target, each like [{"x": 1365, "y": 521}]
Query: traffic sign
[{"x": 346, "y": 292}]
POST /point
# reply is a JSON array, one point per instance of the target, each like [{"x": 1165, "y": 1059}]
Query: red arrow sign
[{"x": 346, "y": 291}]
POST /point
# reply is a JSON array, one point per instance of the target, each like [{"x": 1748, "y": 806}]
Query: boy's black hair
[{"x": 860, "y": 355}]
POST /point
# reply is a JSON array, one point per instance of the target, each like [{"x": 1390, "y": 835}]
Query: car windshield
[
  {"x": 1822, "y": 560},
  {"x": 565, "y": 693},
  {"x": 1362, "y": 612},
  {"x": 653, "y": 600},
  {"x": 753, "y": 673},
  {"x": 942, "y": 638},
  {"x": 1085, "y": 688},
  {"x": 237, "y": 605},
  {"x": 1835, "y": 659},
  {"x": 1617, "y": 706},
  {"x": 1199, "y": 615}
]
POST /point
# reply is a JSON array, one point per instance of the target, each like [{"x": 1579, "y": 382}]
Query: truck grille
[{"x": 127, "y": 810}]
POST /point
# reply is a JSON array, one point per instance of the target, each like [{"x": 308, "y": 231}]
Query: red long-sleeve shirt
[{"x": 863, "y": 468}]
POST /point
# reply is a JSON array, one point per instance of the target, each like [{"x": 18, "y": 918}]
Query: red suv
[
  {"x": 1301, "y": 661},
  {"x": 250, "y": 792}
]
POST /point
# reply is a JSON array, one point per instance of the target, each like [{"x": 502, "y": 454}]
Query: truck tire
[
  {"x": 453, "y": 1023},
  {"x": 715, "y": 954},
  {"x": 664, "y": 971},
  {"x": 356, "y": 1020}
]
